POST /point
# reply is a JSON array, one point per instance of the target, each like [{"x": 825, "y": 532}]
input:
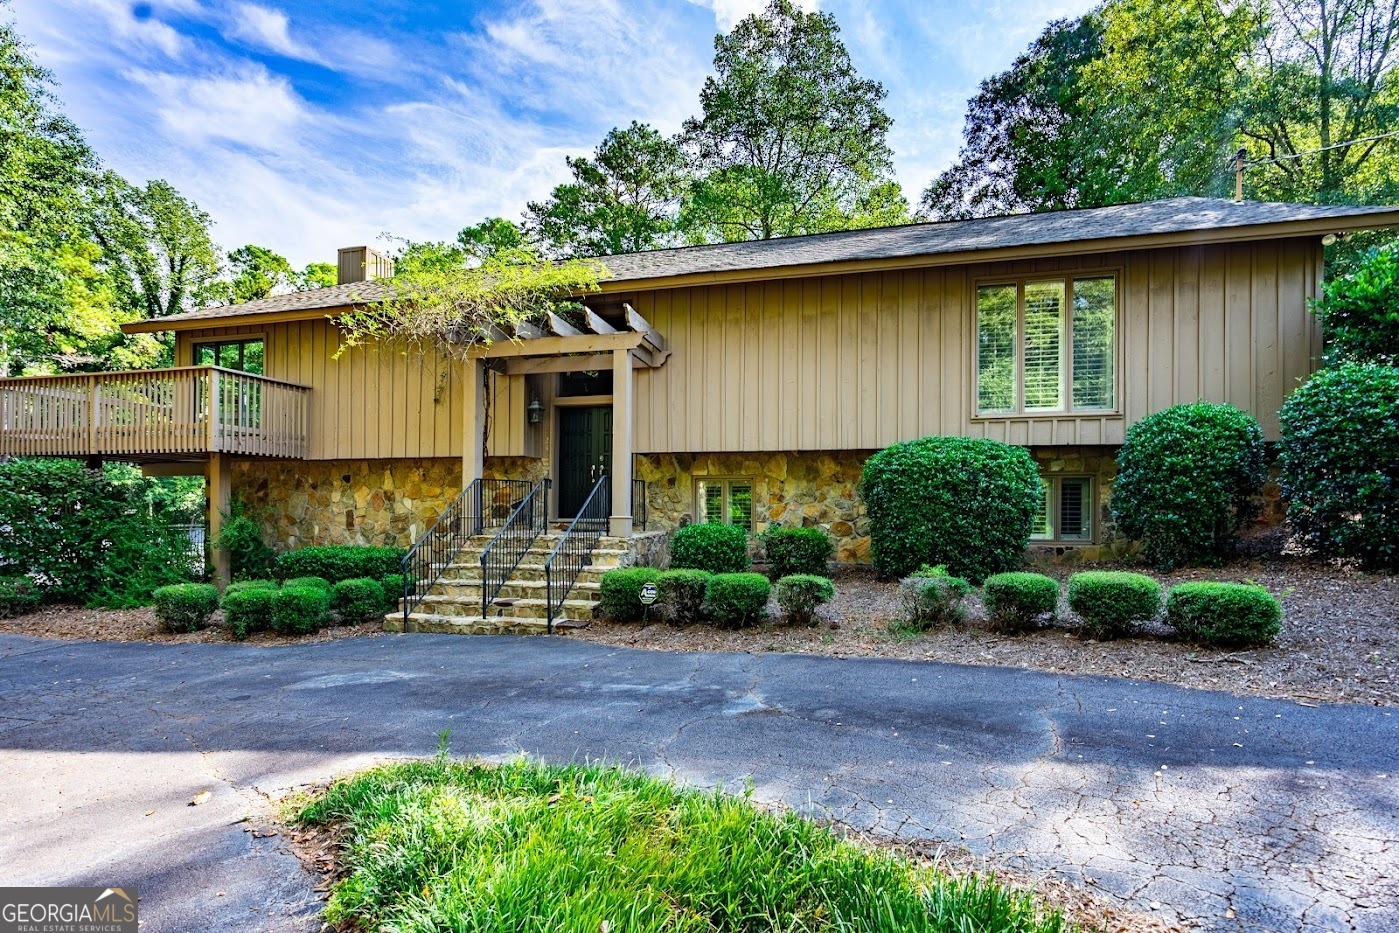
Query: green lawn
[{"x": 456, "y": 845}]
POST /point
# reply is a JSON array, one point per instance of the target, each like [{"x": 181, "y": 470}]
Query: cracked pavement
[{"x": 1227, "y": 813}]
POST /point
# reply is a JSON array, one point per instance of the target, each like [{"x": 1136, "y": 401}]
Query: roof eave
[{"x": 159, "y": 325}]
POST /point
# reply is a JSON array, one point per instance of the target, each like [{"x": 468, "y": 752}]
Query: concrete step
[
  {"x": 475, "y": 625},
  {"x": 602, "y": 557},
  {"x": 514, "y": 589},
  {"x": 580, "y": 609},
  {"x": 466, "y": 576}
]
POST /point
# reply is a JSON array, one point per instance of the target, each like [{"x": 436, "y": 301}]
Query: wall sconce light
[{"x": 536, "y": 411}]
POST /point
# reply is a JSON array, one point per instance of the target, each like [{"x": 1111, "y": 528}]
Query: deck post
[
  {"x": 620, "y": 521},
  {"x": 217, "y": 482},
  {"x": 473, "y": 459}
]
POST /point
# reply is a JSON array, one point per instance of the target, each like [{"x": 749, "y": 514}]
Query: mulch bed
[
  {"x": 78, "y": 623},
  {"x": 1339, "y": 639}
]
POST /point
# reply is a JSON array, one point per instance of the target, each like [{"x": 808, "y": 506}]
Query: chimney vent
[{"x": 360, "y": 264}]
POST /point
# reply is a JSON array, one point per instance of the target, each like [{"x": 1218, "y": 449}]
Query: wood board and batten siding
[{"x": 856, "y": 362}]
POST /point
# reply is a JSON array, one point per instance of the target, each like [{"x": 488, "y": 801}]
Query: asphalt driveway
[{"x": 1237, "y": 814}]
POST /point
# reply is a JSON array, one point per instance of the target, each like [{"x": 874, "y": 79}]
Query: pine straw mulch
[
  {"x": 1339, "y": 639},
  {"x": 80, "y": 624}
]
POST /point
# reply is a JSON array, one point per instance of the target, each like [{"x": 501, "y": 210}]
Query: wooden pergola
[{"x": 564, "y": 348}]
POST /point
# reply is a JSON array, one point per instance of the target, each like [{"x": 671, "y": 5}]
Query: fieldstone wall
[{"x": 1101, "y": 464}]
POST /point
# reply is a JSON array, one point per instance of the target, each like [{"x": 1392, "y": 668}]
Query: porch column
[
  {"x": 473, "y": 461},
  {"x": 217, "y": 482},
  {"x": 621, "y": 522}
]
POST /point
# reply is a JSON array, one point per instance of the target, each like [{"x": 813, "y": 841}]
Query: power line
[{"x": 1273, "y": 160}]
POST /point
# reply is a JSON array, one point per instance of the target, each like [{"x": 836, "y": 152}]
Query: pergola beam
[
  {"x": 595, "y": 323},
  {"x": 642, "y": 358},
  {"x": 642, "y": 326},
  {"x": 557, "y": 346}
]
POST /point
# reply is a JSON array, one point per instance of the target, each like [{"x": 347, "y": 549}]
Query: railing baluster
[
  {"x": 566, "y": 561},
  {"x": 503, "y": 554}
]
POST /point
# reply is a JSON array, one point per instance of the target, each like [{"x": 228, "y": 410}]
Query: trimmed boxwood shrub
[
  {"x": 358, "y": 598},
  {"x": 242, "y": 585},
  {"x": 620, "y": 592},
  {"x": 736, "y": 599},
  {"x": 1224, "y": 613},
  {"x": 300, "y": 610},
  {"x": 336, "y": 562},
  {"x": 1188, "y": 479},
  {"x": 1110, "y": 601},
  {"x": 797, "y": 550},
  {"x": 18, "y": 595},
  {"x": 964, "y": 503},
  {"x": 393, "y": 585},
  {"x": 1016, "y": 601},
  {"x": 682, "y": 594},
  {"x": 1340, "y": 463},
  {"x": 710, "y": 546},
  {"x": 185, "y": 607},
  {"x": 930, "y": 596},
  {"x": 248, "y": 610},
  {"x": 320, "y": 583},
  {"x": 800, "y": 594}
]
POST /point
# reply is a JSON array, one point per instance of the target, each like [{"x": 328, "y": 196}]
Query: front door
[{"x": 585, "y": 454}]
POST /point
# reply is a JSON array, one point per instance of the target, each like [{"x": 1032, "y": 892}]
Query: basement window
[
  {"x": 727, "y": 501},
  {"x": 1066, "y": 510}
]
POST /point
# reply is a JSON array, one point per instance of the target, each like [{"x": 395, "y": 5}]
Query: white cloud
[
  {"x": 250, "y": 106},
  {"x": 266, "y": 28}
]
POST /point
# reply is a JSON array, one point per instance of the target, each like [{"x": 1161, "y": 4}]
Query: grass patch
[{"x": 458, "y": 845}]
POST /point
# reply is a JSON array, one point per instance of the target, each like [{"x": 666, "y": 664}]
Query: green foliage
[
  {"x": 249, "y": 556},
  {"x": 394, "y": 587},
  {"x": 737, "y": 599},
  {"x": 18, "y": 595},
  {"x": 320, "y": 583},
  {"x": 623, "y": 199},
  {"x": 1360, "y": 311},
  {"x": 620, "y": 592},
  {"x": 100, "y": 537},
  {"x": 1015, "y": 602},
  {"x": 962, "y": 503},
  {"x": 797, "y": 550},
  {"x": 424, "y": 843},
  {"x": 1224, "y": 613},
  {"x": 1188, "y": 479},
  {"x": 682, "y": 594},
  {"x": 185, "y": 607},
  {"x": 249, "y": 609},
  {"x": 790, "y": 139},
  {"x": 930, "y": 596},
  {"x": 799, "y": 595},
  {"x": 358, "y": 598},
  {"x": 1109, "y": 602},
  {"x": 298, "y": 610},
  {"x": 336, "y": 562},
  {"x": 1340, "y": 463},
  {"x": 710, "y": 546},
  {"x": 242, "y": 585}
]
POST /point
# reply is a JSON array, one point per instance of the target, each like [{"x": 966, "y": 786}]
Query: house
[{"x": 743, "y": 382}]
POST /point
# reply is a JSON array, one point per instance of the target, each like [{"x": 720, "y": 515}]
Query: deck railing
[{"x": 156, "y": 412}]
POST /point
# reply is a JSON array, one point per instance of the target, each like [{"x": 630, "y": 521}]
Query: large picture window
[
  {"x": 243, "y": 355},
  {"x": 1046, "y": 345}
]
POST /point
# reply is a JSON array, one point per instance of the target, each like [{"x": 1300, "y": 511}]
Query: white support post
[
  {"x": 622, "y": 381},
  {"x": 473, "y": 461}
]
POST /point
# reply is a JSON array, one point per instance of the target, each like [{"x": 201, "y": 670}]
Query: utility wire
[{"x": 1273, "y": 160}]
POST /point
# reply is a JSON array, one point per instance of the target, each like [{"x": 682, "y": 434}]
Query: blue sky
[{"x": 306, "y": 126}]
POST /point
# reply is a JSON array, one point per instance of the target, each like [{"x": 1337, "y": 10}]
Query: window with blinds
[
  {"x": 728, "y": 501},
  {"x": 1047, "y": 345},
  {"x": 1066, "y": 510}
]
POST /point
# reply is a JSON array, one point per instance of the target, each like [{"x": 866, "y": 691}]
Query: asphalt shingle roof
[{"x": 1172, "y": 215}]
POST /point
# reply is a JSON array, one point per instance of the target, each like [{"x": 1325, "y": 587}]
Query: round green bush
[
  {"x": 736, "y": 599},
  {"x": 682, "y": 594},
  {"x": 242, "y": 585},
  {"x": 710, "y": 546},
  {"x": 17, "y": 596},
  {"x": 336, "y": 562},
  {"x": 299, "y": 610},
  {"x": 394, "y": 590},
  {"x": 1110, "y": 601},
  {"x": 930, "y": 596},
  {"x": 358, "y": 599},
  {"x": 964, "y": 503},
  {"x": 797, "y": 550},
  {"x": 185, "y": 607},
  {"x": 1340, "y": 464},
  {"x": 800, "y": 594},
  {"x": 248, "y": 610},
  {"x": 1224, "y": 613},
  {"x": 320, "y": 583},
  {"x": 1188, "y": 479},
  {"x": 1015, "y": 601},
  {"x": 620, "y": 592}
]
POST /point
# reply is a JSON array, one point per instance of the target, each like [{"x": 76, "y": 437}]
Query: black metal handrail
[
  {"x": 503, "y": 554},
  {"x": 433, "y": 553},
  {"x": 568, "y": 558},
  {"x": 638, "y": 503}
]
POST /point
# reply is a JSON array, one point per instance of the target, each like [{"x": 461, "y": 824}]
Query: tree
[
  {"x": 316, "y": 275},
  {"x": 790, "y": 139},
  {"x": 625, "y": 198},
  {"x": 490, "y": 236},
  {"x": 258, "y": 273}
]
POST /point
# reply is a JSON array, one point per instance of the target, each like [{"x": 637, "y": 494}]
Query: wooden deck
[{"x": 156, "y": 414}]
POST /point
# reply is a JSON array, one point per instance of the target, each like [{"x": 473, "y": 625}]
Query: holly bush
[{"x": 1360, "y": 311}]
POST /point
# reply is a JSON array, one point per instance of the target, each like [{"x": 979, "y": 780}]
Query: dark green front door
[{"x": 585, "y": 454}]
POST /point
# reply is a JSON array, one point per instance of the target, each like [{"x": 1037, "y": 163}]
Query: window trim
[
  {"x": 1052, "y": 480},
  {"x": 752, "y": 482},
  {"x": 1065, "y": 345},
  {"x": 196, "y": 343}
]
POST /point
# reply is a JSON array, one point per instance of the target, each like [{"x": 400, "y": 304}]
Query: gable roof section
[{"x": 1173, "y": 221}]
